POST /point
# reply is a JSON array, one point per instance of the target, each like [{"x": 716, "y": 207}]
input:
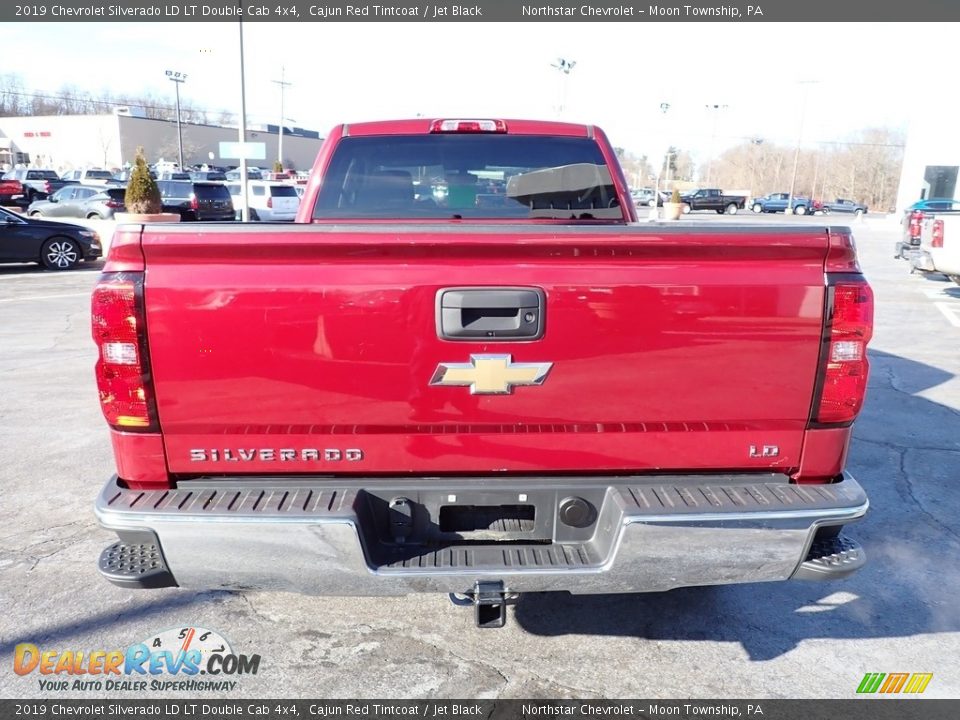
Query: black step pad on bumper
[
  {"x": 135, "y": 565},
  {"x": 831, "y": 558}
]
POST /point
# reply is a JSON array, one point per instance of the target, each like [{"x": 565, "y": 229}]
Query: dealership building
[
  {"x": 65, "y": 142},
  {"x": 931, "y": 159}
]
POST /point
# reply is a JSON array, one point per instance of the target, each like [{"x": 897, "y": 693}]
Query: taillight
[
  {"x": 843, "y": 364},
  {"x": 270, "y": 202},
  {"x": 47, "y": 188},
  {"x": 122, "y": 370},
  {"x": 841, "y": 252},
  {"x": 468, "y": 126},
  {"x": 194, "y": 203},
  {"x": 113, "y": 204},
  {"x": 936, "y": 236},
  {"x": 916, "y": 218}
]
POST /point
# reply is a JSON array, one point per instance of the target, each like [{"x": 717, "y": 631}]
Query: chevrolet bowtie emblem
[{"x": 491, "y": 374}]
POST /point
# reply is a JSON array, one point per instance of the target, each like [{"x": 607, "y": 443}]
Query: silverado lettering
[
  {"x": 283, "y": 455},
  {"x": 548, "y": 394}
]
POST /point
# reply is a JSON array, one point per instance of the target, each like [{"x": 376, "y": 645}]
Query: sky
[{"x": 767, "y": 79}]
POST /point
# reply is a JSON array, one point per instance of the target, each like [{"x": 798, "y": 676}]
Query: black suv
[{"x": 196, "y": 200}]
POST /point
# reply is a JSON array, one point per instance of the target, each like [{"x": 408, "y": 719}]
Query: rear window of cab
[{"x": 468, "y": 175}]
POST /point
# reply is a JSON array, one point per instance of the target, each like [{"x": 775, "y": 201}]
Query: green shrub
[
  {"x": 675, "y": 197},
  {"x": 277, "y": 166},
  {"x": 143, "y": 195}
]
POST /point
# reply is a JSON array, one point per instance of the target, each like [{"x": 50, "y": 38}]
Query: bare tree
[
  {"x": 637, "y": 168},
  {"x": 679, "y": 165},
  {"x": 11, "y": 95},
  {"x": 864, "y": 167},
  {"x": 105, "y": 142}
]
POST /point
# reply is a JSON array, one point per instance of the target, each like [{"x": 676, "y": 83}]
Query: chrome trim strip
[
  {"x": 125, "y": 518},
  {"x": 853, "y": 513}
]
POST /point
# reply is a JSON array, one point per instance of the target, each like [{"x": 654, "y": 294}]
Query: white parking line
[
  {"x": 30, "y": 274},
  {"x": 947, "y": 301},
  {"x": 951, "y": 311},
  {"x": 43, "y": 297},
  {"x": 940, "y": 293}
]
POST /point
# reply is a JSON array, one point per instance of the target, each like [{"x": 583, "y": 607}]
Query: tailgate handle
[{"x": 491, "y": 313}]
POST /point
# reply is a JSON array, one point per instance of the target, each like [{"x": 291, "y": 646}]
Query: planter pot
[
  {"x": 672, "y": 211},
  {"x": 146, "y": 217}
]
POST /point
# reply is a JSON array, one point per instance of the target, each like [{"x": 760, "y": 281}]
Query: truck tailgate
[{"x": 311, "y": 348}]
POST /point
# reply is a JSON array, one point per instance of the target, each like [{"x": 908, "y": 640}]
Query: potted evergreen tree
[
  {"x": 142, "y": 199},
  {"x": 673, "y": 209}
]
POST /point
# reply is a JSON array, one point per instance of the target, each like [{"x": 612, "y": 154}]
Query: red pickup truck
[
  {"x": 467, "y": 369},
  {"x": 11, "y": 192}
]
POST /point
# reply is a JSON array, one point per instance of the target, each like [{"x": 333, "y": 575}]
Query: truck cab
[
  {"x": 842, "y": 205},
  {"x": 88, "y": 176},
  {"x": 778, "y": 202}
]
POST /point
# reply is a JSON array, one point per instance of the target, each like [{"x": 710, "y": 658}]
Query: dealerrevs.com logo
[
  {"x": 190, "y": 659},
  {"x": 894, "y": 683}
]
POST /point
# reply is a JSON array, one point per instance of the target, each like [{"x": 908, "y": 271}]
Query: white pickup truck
[{"x": 939, "y": 247}]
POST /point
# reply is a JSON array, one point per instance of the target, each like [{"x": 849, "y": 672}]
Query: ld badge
[{"x": 491, "y": 374}]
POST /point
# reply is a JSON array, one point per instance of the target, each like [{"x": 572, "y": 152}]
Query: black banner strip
[
  {"x": 813, "y": 11},
  {"x": 857, "y": 708}
]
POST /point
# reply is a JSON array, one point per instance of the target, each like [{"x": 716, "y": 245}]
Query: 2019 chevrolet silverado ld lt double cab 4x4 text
[{"x": 466, "y": 368}]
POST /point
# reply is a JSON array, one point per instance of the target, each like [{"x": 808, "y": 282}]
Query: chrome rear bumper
[
  {"x": 922, "y": 260},
  {"x": 331, "y": 537}
]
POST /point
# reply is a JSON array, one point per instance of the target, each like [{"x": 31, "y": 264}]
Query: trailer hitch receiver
[{"x": 490, "y": 600}]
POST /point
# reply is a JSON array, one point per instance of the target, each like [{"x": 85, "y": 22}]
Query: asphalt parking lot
[{"x": 900, "y": 614}]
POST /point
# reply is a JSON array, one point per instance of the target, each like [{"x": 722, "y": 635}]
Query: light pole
[
  {"x": 754, "y": 143},
  {"x": 283, "y": 86},
  {"x": 245, "y": 211},
  {"x": 713, "y": 137},
  {"x": 564, "y": 66},
  {"x": 654, "y": 210},
  {"x": 796, "y": 154},
  {"x": 178, "y": 77},
  {"x": 813, "y": 186}
]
